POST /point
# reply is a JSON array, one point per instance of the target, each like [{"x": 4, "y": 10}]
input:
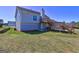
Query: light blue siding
[
  {"x": 28, "y": 27},
  {"x": 18, "y": 20},
  {"x": 29, "y": 18},
  {"x": 25, "y": 22}
]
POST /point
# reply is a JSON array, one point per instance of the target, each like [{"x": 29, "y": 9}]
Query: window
[{"x": 35, "y": 18}]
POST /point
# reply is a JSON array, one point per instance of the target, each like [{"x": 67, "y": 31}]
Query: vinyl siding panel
[
  {"x": 18, "y": 20},
  {"x": 27, "y": 22},
  {"x": 28, "y": 17},
  {"x": 29, "y": 27}
]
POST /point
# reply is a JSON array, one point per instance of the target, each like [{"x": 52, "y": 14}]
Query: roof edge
[{"x": 30, "y": 10}]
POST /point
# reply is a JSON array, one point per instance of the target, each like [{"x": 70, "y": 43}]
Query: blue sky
[{"x": 59, "y": 13}]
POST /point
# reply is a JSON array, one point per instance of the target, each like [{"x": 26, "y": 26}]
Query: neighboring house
[
  {"x": 12, "y": 24},
  {"x": 1, "y": 22},
  {"x": 27, "y": 20},
  {"x": 5, "y": 24}
]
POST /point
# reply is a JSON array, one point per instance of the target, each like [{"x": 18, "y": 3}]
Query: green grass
[{"x": 36, "y": 41}]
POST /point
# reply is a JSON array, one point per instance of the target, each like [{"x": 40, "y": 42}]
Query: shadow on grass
[
  {"x": 35, "y": 32},
  {"x": 40, "y": 32},
  {"x": 64, "y": 32},
  {"x": 4, "y": 30},
  {"x": 60, "y": 31}
]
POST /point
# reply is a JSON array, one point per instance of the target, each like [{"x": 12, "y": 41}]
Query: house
[
  {"x": 1, "y": 22},
  {"x": 5, "y": 24},
  {"x": 12, "y": 24},
  {"x": 27, "y": 20}
]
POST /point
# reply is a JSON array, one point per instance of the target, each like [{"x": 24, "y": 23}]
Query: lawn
[{"x": 36, "y": 41}]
